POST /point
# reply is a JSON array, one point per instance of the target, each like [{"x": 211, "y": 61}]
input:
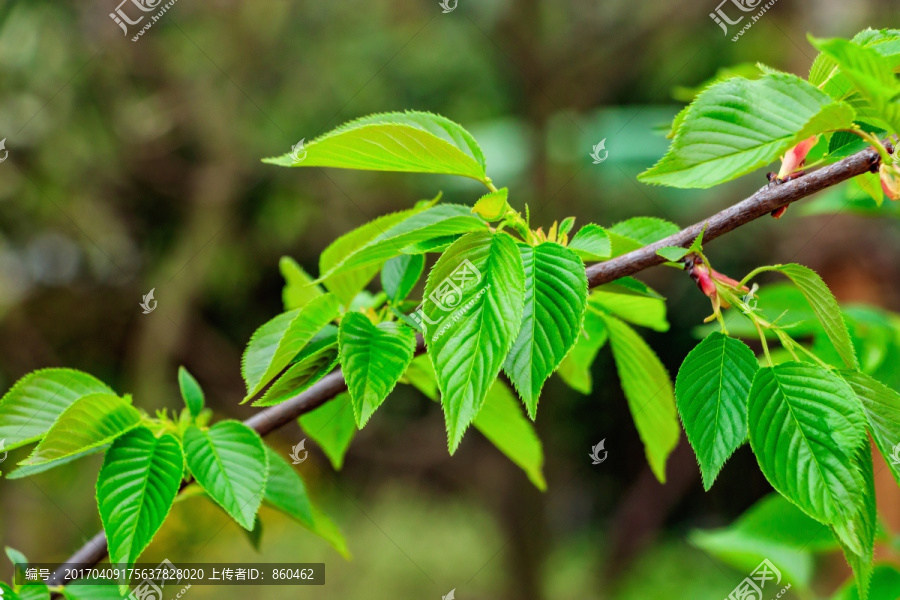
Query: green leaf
[
  {"x": 286, "y": 492},
  {"x": 299, "y": 288},
  {"x": 492, "y": 206},
  {"x": 93, "y": 591},
  {"x": 501, "y": 421},
  {"x": 373, "y": 358},
  {"x": 278, "y": 341},
  {"x": 870, "y": 74},
  {"x": 19, "y": 562},
  {"x": 863, "y": 526},
  {"x": 420, "y": 375},
  {"x": 229, "y": 462},
  {"x": 415, "y": 142},
  {"x": 806, "y": 428},
  {"x": 823, "y": 304},
  {"x": 555, "y": 301},
  {"x": 638, "y": 232},
  {"x": 332, "y": 426},
  {"x": 434, "y": 223},
  {"x": 711, "y": 392},
  {"x": 482, "y": 317},
  {"x": 575, "y": 369},
  {"x": 645, "y": 311},
  {"x": 885, "y": 584},
  {"x": 566, "y": 225},
  {"x": 591, "y": 243},
  {"x": 29, "y": 470},
  {"x": 91, "y": 421},
  {"x": 737, "y": 126},
  {"x": 672, "y": 253},
  {"x": 135, "y": 490},
  {"x": 191, "y": 392},
  {"x": 881, "y": 406},
  {"x": 33, "y": 591},
  {"x": 648, "y": 390},
  {"x": 32, "y": 405},
  {"x": 400, "y": 275},
  {"x": 347, "y": 285},
  {"x": 301, "y": 375}
]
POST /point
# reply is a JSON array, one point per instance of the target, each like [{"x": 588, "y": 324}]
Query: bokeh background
[{"x": 137, "y": 165}]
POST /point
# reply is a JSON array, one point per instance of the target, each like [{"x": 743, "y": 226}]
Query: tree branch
[{"x": 759, "y": 204}]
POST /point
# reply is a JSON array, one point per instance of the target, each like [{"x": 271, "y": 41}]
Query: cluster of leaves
[
  {"x": 504, "y": 306},
  {"x": 738, "y": 124},
  {"x": 149, "y": 459}
]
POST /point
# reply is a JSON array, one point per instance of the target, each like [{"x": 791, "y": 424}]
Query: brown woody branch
[{"x": 759, "y": 204}]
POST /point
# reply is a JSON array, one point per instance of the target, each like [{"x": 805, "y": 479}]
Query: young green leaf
[
  {"x": 229, "y": 462},
  {"x": 191, "y": 392},
  {"x": 881, "y": 405},
  {"x": 648, "y": 390},
  {"x": 502, "y": 422},
  {"x": 93, "y": 591},
  {"x": 414, "y": 142},
  {"x": 566, "y": 225},
  {"x": 29, "y": 470},
  {"x": 638, "y": 232},
  {"x": 645, "y": 311},
  {"x": 492, "y": 206},
  {"x": 711, "y": 392},
  {"x": 437, "y": 222},
  {"x": 286, "y": 492},
  {"x": 871, "y": 75},
  {"x": 591, "y": 243},
  {"x": 737, "y": 126},
  {"x": 823, "y": 304},
  {"x": 278, "y": 341},
  {"x": 476, "y": 294},
  {"x": 299, "y": 288},
  {"x": 32, "y": 405},
  {"x": 373, "y": 358},
  {"x": 400, "y": 275},
  {"x": 672, "y": 253},
  {"x": 347, "y": 285},
  {"x": 306, "y": 371},
  {"x": 575, "y": 369},
  {"x": 332, "y": 426},
  {"x": 863, "y": 526},
  {"x": 90, "y": 421},
  {"x": 135, "y": 490},
  {"x": 806, "y": 429},
  {"x": 555, "y": 300}
]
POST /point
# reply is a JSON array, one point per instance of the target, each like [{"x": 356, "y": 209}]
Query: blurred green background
[{"x": 136, "y": 165}]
